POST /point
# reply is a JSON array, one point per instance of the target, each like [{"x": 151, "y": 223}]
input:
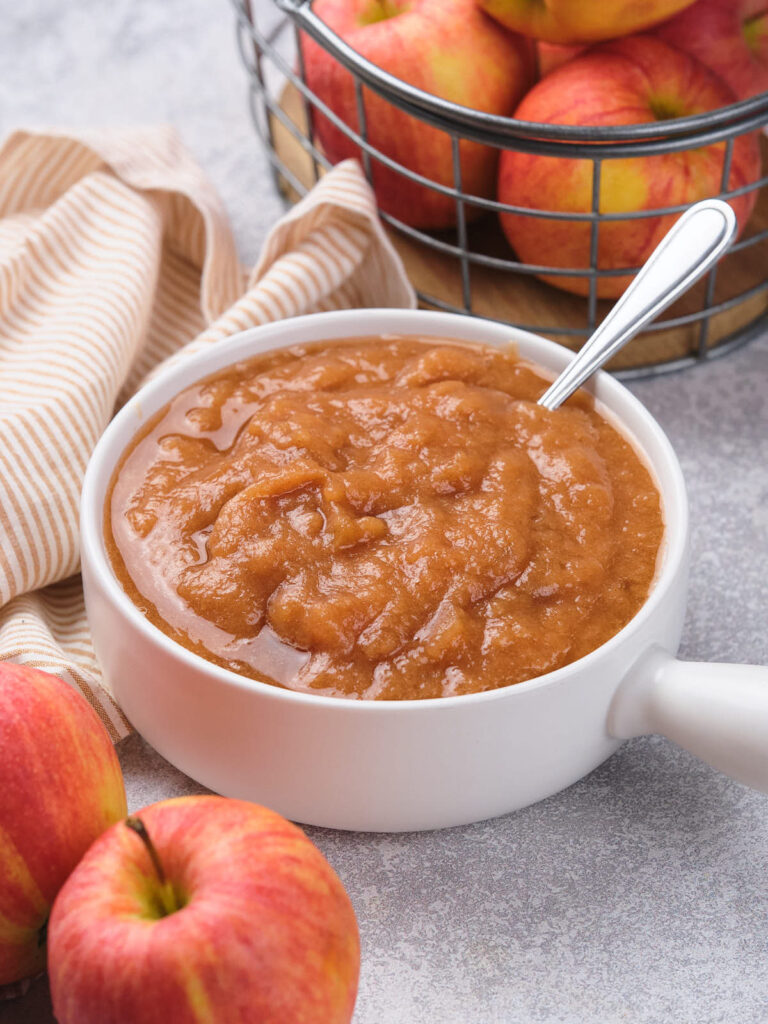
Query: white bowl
[{"x": 402, "y": 765}]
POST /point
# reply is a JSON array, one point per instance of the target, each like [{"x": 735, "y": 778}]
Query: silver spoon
[{"x": 692, "y": 245}]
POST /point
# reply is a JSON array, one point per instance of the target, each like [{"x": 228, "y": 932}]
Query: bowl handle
[{"x": 718, "y": 712}]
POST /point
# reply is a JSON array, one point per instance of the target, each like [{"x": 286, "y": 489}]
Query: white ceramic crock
[{"x": 400, "y": 765}]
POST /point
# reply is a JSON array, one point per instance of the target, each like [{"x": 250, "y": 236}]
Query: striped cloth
[{"x": 115, "y": 251}]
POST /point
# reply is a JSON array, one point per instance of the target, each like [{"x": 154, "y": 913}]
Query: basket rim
[{"x": 734, "y": 119}]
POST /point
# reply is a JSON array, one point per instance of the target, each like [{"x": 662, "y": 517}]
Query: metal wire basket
[{"x": 468, "y": 269}]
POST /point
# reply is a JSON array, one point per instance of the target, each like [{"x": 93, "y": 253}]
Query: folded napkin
[{"x": 115, "y": 252}]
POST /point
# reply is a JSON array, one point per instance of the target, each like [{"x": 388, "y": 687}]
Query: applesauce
[{"x": 386, "y": 518}]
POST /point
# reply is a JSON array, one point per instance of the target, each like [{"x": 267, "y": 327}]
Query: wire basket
[{"x": 471, "y": 269}]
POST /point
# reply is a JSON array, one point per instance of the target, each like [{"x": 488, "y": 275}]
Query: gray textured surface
[{"x": 637, "y": 895}]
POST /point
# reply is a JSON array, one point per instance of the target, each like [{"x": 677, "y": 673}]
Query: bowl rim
[{"x": 161, "y": 389}]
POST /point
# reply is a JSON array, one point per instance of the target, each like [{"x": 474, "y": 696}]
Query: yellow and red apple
[
  {"x": 729, "y": 36},
  {"x": 552, "y": 55},
  {"x": 219, "y": 910},
  {"x": 580, "y": 21},
  {"x": 629, "y": 81},
  {"x": 60, "y": 788},
  {"x": 445, "y": 47}
]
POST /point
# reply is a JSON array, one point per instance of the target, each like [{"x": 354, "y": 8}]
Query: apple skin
[
  {"x": 552, "y": 55},
  {"x": 445, "y": 47},
  {"x": 729, "y": 36},
  {"x": 629, "y": 81},
  {"x": 265, "y": 932},
  {"x": 581, "y": 21},
  {"x": 60, "y": 788}
]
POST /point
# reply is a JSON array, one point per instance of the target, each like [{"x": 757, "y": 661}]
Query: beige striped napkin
[{"x": 114, "y": 252}]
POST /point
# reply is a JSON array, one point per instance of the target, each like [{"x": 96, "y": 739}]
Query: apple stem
[
  {"x": 140, "y": 829},
  {"x": 167, "y": 895}
]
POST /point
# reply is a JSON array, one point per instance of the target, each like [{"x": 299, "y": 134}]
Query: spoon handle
[{"x": 694, "y": 243}]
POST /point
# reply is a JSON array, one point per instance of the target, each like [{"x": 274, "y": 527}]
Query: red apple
[
  {"x": 729, "y": 36},
  {"x": 227, "y": 913},
  {"x": 580, "y": 21},
  {"x": 630, "y": 81},
  {"x": 60, "y": 788},
  {"x": 445, "y": 47},
  {"x": 552, "y": 55}
]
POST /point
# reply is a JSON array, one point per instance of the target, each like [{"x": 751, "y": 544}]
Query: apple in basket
[
  {"x": 552, "y": 55},
  {"x": 60, "y": 788},
  {"x": 203, "y": 909},
  {"x": 580, "y": 21},
  {"x": 628, "y": 81},
  {"x": 445, "y": 47},
  {"x": 729, "y": 36}
]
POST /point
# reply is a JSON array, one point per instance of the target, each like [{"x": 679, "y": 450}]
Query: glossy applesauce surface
[{"x": 385, "y": 518}]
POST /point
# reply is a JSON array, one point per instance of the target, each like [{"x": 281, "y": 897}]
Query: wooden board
[{"x": 524, "y": 300}]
